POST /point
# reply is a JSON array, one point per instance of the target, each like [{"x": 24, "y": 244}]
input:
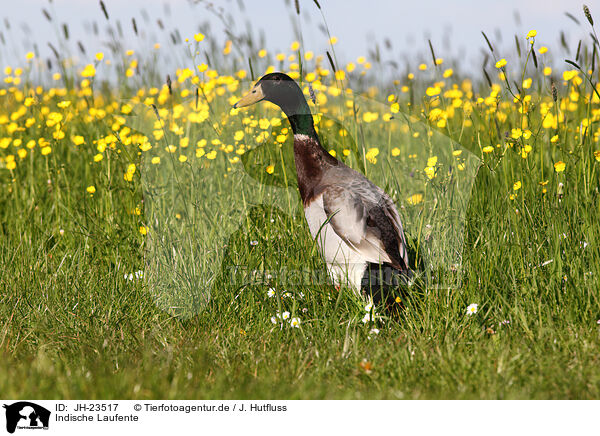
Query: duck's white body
[{"x": 345, "y": 265}]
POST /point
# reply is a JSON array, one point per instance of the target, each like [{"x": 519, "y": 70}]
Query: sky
[{"x": 454, "y": 28}]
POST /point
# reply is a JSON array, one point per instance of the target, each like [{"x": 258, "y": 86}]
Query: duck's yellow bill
[{"x": 254, "y": 96}]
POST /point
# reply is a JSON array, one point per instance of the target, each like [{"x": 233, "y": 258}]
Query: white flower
[
  {"x": 253, "y": 243},
  {"x": 285, "y": 315},
  {"x": 271, "y": 292},
  {"x": 139, "y": 274},
  {"x": 295, "y": 322},
  {"x": 128, "y": 277},
  {"x": 367, "y": 318},
  {"x": 287, "y": 295},
  {"x": 373, "y": 332},
  {"x": 369, "y": 307},
  {"x": 274, "y": 319},
  {"x": 472, "y": 309}
]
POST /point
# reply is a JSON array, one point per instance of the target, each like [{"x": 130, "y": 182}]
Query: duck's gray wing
[{"x": 366, "y": 219}]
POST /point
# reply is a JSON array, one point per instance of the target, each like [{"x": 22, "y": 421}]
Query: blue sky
[{"x": 454, "y": 27}]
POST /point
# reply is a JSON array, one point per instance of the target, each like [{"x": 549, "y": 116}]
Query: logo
[{"x": 26, "y": 415}]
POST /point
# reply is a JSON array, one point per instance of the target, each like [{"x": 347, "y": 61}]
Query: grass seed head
[{"x": 586, "y": 11}]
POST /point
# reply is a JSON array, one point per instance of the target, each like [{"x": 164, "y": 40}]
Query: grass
[{"x": 71, "y": 322}]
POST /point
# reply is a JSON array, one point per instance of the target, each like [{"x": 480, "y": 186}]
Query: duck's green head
[{"x": 279, "y": 89}]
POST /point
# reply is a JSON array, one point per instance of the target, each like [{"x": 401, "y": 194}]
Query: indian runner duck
[{"x": 355, "y": 224}]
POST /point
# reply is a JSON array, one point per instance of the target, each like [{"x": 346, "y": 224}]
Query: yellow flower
[
  {"x": 29, "y": 55},
  {"x": 430, "y": 172},
  {"x": 78, "y": 140},
  {"x": 333, "y": 40},
  {"x": 91, "y": 189},
  {"x": 198, "y": 37},
  {"x": 143, "y": 230},
  {"x": 547, "y": 71},
  {"x": 239, "y": 135},
  {"x": 422, "y": 67},
  {"x": 394, "y": 108},
  {"x": 270, "y": 169},
  {"x": 99, "y": 56},
  {"x": 559, "y": 166},
  {"x": 414, "y": 199},
  {"x": 340, "y": 74},
  {"x": 432, "y": 91},
  {"x": 501, "y": 63},
  {"x": 543, "y": 49},
  {"x": 597, "y": 155},
  {"x": 517, "y": 186},
  {"x": 262, "y": 53},
  {"x": 488, "y": 149},
  {"x": 155, "y": 160},
  {"x": 531, "y": 34},
  {"x": 395, "y": 151},
  {"x": 182, "y": 158},
  {"x": 295, "y": 46},
  {"x": 88, "y": 71},
  {"x": 227, "y": 48},
  {"x": 569, "y": 74},
  {"x": 128, "y": 176},
  {"x": 448, "y": 73},
  {"x": 527, "y": 83},
  {"x": 371, "y": 155}
]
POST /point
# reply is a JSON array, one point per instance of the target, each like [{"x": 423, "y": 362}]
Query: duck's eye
[{"x": 254, "y": 91}]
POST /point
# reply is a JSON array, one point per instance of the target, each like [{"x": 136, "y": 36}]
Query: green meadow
[{"x": 150, "y": 234}]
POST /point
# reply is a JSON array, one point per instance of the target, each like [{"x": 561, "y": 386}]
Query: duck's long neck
[
  {"x": 302, "y": 124},
  {"x": 309, "y": 155},
  {"x": 299, "y": 116}
]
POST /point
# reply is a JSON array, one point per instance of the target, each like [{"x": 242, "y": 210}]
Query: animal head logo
[{"x": 24, "y": 414}]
